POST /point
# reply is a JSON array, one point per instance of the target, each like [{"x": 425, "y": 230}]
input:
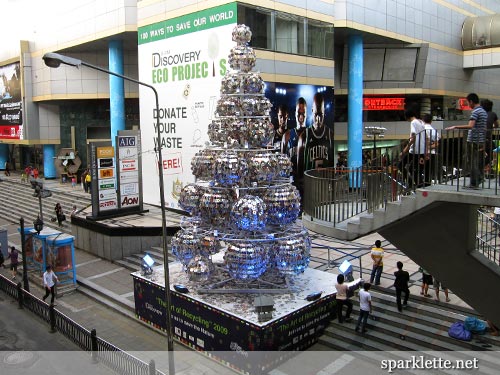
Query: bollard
[
  {"x": 93, "y": 343},
  {"x": 52, "y": 317},
  {"x": 20, "y": 295},
  {"x": 152, "y": 367}
]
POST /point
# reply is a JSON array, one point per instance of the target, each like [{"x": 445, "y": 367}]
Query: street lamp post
[
  {"x": 23, "y": 252},
  {"x": 374, "y": 131},
  {"x": 54, "y": 60}
]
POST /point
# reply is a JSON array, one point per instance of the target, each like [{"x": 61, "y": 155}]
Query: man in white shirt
[
  {"x": 433, "y": 172},
  {"x": 365, "y": 307},
  {"x": 49, "y": 282},
  {"x": 415, "y": 154}
]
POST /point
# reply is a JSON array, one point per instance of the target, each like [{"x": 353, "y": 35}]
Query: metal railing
[
  {"x": 100, "y": 350},
  {"x": 487, "y": 237},
  {"x": 334, "y": 195}
]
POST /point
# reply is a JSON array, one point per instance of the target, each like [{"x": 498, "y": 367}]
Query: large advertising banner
[
  {"x": 11, "y": 118},
  {"x": 303, "y": 121},
  {"x": 185, "y": 59},
  {"x": 209, "y": 329}
]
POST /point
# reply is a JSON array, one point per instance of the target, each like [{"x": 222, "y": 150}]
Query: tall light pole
[
  {"x": 54, "y": 60},
  {"x": 374, "y": 131}
]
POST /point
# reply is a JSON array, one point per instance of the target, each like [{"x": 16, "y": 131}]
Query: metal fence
[
  {"x": 336, "y": 194},
  {"x": 100, "y": 350},
  {"x": 487, "y": 237}
]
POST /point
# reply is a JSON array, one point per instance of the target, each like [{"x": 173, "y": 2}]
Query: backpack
[
  {"x": 475, "y": 325},
  {"x": 458, "y": 331}
]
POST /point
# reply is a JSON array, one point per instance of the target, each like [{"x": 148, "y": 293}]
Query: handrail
[
  {"x": 334, "y": 195},
  {"x": 113, "y": 357}
]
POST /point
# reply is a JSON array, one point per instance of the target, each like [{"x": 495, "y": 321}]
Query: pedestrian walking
[
  {"x": 342, "y": 299},
  {"x": 14, "y": 261},
  {"x": 437, "y": 284},
  {"x": 59, "y": 214},
  {"x": 377, "y": 255},
  {"x": 7, "y": 168},
  {"x": 426, "y": 282},
  {"x": 401, "y": 285},
  {"x": 49, "y": 282},
  {"x": 365, "y": 307}
]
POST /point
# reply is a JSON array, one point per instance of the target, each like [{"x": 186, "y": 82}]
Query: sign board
[
  {"x": 188, "y": 77},
  {"x": 383, "y": 104},
  {"x": 129, "y": 170}
]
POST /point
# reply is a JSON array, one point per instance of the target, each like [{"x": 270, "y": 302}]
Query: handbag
[
  {"x": 475, "y": 325},
  {"x": 458, "y": 331}
]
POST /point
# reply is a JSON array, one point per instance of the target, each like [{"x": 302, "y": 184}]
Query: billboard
[
  {"x": 11, "y": 117},
  {"x": 185, "y": 59}
]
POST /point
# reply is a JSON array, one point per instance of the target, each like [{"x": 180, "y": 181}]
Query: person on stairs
[
  {"x": 401, "y": 285},
  {"x": 365, "y": 307},
  {"x": 377, "y": 255},
  {"x": 342, "y": 299}
]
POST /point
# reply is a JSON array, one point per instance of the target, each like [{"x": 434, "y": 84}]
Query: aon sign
[{"x": 130, "y": 201}]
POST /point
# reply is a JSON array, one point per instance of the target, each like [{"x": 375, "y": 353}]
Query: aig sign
[{"x": 126, "y": 141}]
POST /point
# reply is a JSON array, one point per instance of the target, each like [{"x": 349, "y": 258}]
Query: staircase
[
  {"x": 16, "y": 201},
  {"x": 423, "y": 326}
]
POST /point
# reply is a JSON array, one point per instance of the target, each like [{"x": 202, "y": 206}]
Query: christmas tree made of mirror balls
[{"x": 242, "y": 202}]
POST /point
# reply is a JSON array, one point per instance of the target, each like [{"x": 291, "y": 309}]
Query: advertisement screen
[{"x": 11, "y": 118}]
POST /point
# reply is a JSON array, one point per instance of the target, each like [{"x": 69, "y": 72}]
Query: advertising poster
[
  {"x": 185, "y": 59},
  {"x": 302, "y": 116},
  {"x": 129, "y": 171},
  {"x": 11, "y": 118}
]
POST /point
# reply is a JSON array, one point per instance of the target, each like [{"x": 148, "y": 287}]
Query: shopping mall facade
[{"x": 370, "y": 59}]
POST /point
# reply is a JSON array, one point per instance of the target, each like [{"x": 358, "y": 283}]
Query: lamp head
[
  {"x": 38, "y": 225},
  {"x": 54, "y": 60}
]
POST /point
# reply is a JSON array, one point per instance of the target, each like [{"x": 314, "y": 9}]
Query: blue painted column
[
  {"x": 4, "y": 155},
  {"x": 116, "y": 89},
  {"x": 49, "y": 165},
  {"x": 355, "y": 110}
]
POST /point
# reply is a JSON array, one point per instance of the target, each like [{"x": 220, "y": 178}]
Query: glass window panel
[
  {"x": 400, "y": 64},
  {"x": 481, "y": 32},
  {"x": 259, "y": 21},
  {"x": 289, "y": 33},
  {"x": 373, "y": 64},
  {"x": 320, "y": 39}
]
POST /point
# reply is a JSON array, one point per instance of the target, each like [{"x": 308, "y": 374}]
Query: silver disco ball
[
  {"x": 284, "y": 164},
  {"x": 242, "y": 58},
  {"x": 189, "y": 198},
  {"x": 202, "y": 164},
  {"x": 245, "y": 260},
  {"x": 184, "y": 246},
  {"x": 292, "y": 255},
  {"x": 241, "y": 34},
  {"x": 249, "y": 214},
  {"x": 283, "y": 204},
  {"x": 200, "y": 268},
  {"x": 229, "y": 169},
  {"x": 215, "y": 206},
  {"x": 253, "y": 84},
  {"x": 263, "y": 167},
  {"x": 260, "y": 132}
]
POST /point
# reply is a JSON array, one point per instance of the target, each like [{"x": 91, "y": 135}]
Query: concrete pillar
[
  {"x": 49, "y": 166},
  {"x": 355, "y": 109},
  {"x": 116, "y": 89},
  {"x": 4, "y": 155}
]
